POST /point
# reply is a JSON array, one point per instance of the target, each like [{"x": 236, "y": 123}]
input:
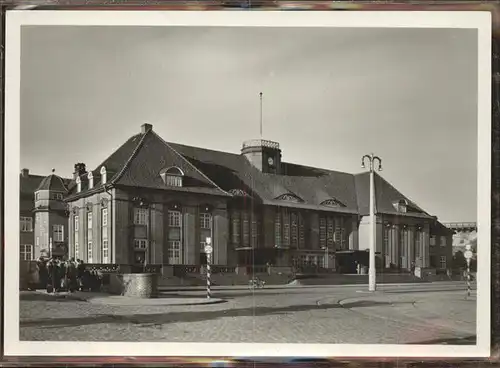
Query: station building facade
[{"x": 157, "y": 202}]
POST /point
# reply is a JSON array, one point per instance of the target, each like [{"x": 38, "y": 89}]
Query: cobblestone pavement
[{"x": 406, "y": 314}]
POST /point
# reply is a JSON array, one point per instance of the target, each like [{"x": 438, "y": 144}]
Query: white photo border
[{"x": 367, "y": 19}]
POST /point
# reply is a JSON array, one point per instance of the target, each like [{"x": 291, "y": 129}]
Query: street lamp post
[{"x": 373, "y": 228}]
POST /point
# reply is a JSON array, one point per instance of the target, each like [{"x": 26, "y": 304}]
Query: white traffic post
[
  {"x": 468, "y": 256},
  {"x": 208, "y": 251}
]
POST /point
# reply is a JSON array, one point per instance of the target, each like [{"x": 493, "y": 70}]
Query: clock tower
[{"x": 263, "y": 154}]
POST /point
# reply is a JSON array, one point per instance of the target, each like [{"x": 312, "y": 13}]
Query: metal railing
[{"x": 261, "y": 143}]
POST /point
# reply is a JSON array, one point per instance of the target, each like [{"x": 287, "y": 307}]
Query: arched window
[
  {"x": 238, "y": 193},
  {"x": 172, "y": 176},
  {"x": 332, "y": 202},
  {"x": 103, "y": 175},
  {"x": 175, "y": 229},
  {"x": 91, "y": 179},
  {"x": 401, "y": 205},
  {"x": 78, "y": 184},
  {"x": 289, "y": 197}
]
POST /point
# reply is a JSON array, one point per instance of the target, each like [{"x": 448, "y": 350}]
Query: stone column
[
  {"x": 220, "y": 236},
  {"x": 268, "y": 235},
  {"x": 426, "y": 246},
  {"x": 189, "y": 235},
  {"x": 157, "y": 234},
  {"x": 394, "y": 234},
  {"x": 354, "y": 235},
  {"x": 312, "y": 240}
]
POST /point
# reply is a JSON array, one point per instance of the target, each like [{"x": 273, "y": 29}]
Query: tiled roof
[
  {"x": 140, "y": 159},
  {"x": 53, "y": 182},
  {"x": 386, "y": 197},
  {"x": 29, "y": 184},
  {"x": 138, "y": 163}
]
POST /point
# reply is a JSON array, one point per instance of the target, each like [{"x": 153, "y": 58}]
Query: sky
[{"x": 330, "y": 95}]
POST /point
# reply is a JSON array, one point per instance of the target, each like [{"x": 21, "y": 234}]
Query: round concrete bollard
[{"x": 140, "y": 285}]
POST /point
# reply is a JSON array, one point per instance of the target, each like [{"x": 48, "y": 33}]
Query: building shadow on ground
[
  {"x": 470, "y": 340},
  {"x": 172, "y": 317},
  {"x": 35, "y": 296}
]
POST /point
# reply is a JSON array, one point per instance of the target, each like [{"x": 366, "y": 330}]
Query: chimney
[
  {"x": 80, "y": 169},
  {"x": 25, "y": 173},
  {"x": 146, "y": 128}
]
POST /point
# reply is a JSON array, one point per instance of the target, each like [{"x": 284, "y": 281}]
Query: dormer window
[
  {"x": 332, "y": 202},
  {"x": 57, "y": 196},
  {"x": 91, "y": 180},
  {"x": 172, "y": 176},
  {"x": 289, "y": 197},
  {"x": 401, "y": 206},
  {"x": 78, "y": 184},
  {"x": 103, "y": 175}
]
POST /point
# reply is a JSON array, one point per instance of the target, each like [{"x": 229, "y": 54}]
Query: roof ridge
[
  {"x": 203, "y": 148},
  {"x": 62, "y": 182},
  {"x": 404, "y": 195},
  {"x": 188, "y": 162},
  {"x": 134, "y": 153}
]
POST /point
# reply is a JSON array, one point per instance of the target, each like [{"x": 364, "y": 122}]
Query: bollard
[{"x": 208, "y": 276}]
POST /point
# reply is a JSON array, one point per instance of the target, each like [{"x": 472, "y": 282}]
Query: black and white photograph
[{"x": 239, "y": 182}]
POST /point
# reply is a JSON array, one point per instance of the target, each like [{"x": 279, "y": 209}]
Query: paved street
[{"x": 420, "y": 313}]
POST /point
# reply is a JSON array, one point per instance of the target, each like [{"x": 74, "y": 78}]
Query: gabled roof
[
  {"x": 385, "y": 198},
  {"x": 311, "y": 185},
  {"x": 141, "y": 159},
  {"x": 53, "y": 182},
  {"x": 139, "y": 162},
  {"x": 29, "y": 184}
]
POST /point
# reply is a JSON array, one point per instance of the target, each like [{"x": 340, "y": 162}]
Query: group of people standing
[{"x": 66, "y": 275}]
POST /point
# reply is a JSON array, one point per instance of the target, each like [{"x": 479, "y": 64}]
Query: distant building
[{"x": 156, "y": 201}]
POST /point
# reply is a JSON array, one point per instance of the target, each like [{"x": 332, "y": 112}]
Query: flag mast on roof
[{"x": 260, "y": 94}]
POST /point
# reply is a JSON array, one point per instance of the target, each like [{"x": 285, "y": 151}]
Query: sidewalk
[
  {"x": 118, "y": 300},
  {"x": 295, "y": 286}
]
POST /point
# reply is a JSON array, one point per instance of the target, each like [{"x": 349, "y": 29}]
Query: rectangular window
[
  {"x": 433, "y": 240},
  {"x": 386, "y": 239},
  {"x": 173, "y": 180},
  {"x": 443, "y": 241},
  {"x": 246, "y": 229},
  {"x": 26, "y": 224},
  {"x": 141, "y": 216},
  {"x": 205, "y": 221},
  {"x": 235, "y": 229},
  {"x": 26, "y": 252},
  {"x": 57, "y": 196},
  {"x": 322, "y": 232},
  {"x": 286, "y": 228},
  {"x": 140, "y": 243},
  {"x": 105, "y": 251},
  {"x": 104, "y": 217},
  {"x": 402, "y": 242},
  {"x": 202, "y": 246},
  {"x": 58, "y": 233},
  {"x": 339, "y": 233},
  {"x": 418, "y": 243},
  {"x": 442, "y": 262},
  {"x": 302, "y": 238},
  {"x": 295, "y": 231},
  {"x": 89, "y": 220},
  {"x": 174, "y": 252},
  {"x": 89, "y": 251},
  {"x": 76, "y": 221},
  {"x": 277, "y": 229},
  {"x": 255, "y": 234},
  {"x": 330, "y": 232},
  {"x": 174, "y": 219}
]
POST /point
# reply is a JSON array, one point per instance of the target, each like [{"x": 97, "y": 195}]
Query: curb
[{"x": 145, "y": 303}]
